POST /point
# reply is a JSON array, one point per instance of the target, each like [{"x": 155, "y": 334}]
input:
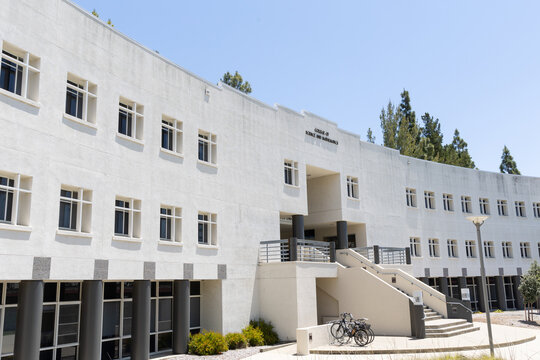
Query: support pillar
[
  {"x": 91, "y": 320},
  {"x": 29, "y": 313},
  {"x": 516, "y": 280},
  {"x": 140, "y": 333},
  {"x": 443, "y": 286},
  {"x": 501, "y": 295},
  {"x": 408, "y": 256},
  {"x": 298, "y": 226},
  {"x": 181, "y": 316},
  {"x": 480, "y": 293},
  {"x": 342, "y": 237}
]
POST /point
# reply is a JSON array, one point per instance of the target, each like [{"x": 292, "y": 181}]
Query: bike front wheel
[
  {"x": 361, "y": 337},
  {"x": 338, "y": 332}
]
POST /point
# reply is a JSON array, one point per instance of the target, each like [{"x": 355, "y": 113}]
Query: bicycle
[{"x": 359, "y": 329}]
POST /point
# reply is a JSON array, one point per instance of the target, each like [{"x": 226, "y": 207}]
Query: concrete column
[
  {"x": 517, "y": 295},
  {"x": 376, "y": 254},
  {"x": 342, "y": 237},
  {"x": 332, "y": 252},
  {"x": 181, "y": 316},
  {"x": 293, "y": 249},
  {"x": 140, "y": 330},
  {"x": 443, "y": 286},
  {"x": 480, "y": 293},
  {"x": 408, "y": 255},
  {"x": 298, "y": 226},
  {"x": 91, "y": 320},
  {"x": 29, "y": 312},
  {"x": 501, "y": 295}
]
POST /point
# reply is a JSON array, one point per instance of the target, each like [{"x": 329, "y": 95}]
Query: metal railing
[
  {"x": 366, "y": 252},
  {"x": 274, "y": 251},
  {"x": 296, "y": 250},
  {"x": 385, "y": 255},
  {"x": 309, "y": 250}
]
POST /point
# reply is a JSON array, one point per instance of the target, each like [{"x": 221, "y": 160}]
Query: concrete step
[
  {"x": 453, "y": 333},
  {"x": 430, "y": 313},
  {"x": 445, "y": 323},
  {"x": 433, "y": 317},
  {"x": 449, "y": 329}
]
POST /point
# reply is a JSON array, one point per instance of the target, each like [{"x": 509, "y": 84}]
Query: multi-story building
[{"x": 134, "y": 197}]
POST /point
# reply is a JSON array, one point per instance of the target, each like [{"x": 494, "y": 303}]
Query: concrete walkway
[{"x": 466, "y": 344}]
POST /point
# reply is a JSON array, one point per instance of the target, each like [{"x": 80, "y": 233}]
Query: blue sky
[{"x": 475, "y": 65}]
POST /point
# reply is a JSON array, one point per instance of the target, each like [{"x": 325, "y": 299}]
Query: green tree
[
  {"x": 431, "y": 139},
  {"x": 530, "y": 289},
  {"x": 389, "y": 125},
  {"x": 407, "y": 112},
  {"x": 508, "y": 164},
  {"x": 457, "y": 153},
  {"x": 370, "y": 137},
  {"x": 95, "y": 13},
  {"x": 235, "y": 81}
]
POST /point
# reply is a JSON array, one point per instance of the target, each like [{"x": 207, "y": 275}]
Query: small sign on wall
[
  {"x": 418, "y": 298},
  {"x": 465, "y": 295}
]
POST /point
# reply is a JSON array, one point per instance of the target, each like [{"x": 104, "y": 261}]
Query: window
[
  {"x": 410, "y": 195},
  {"x": 466, "y": 206},
  {"x": 415, "y": 247},
  {"x": 207, "y": 147},
  {"x": 507, "y": 250},
  {"x": 448, "y": 202},
  {"x": 117, "y": 320},
  {"x": 484, "y": 206},
  {"x": 453, "y": 288},
  {"x": 472, "y": 285},
  {"x": 489, "y": 251},
  {"x": 75, "y": 209},
  {"x": 520, "y": 208},
  {"x": 172, "y": 135},
  {"x": 433, "y": 247},
  {"x": 452, "y": 248},
  {"x": 20, "y": 72},
  {"x": 81, "y": 99},
  {"x": 470, "y": 248},
  {"x": 170, "y": 224},
  {"x": 127, "y": 218},
  {"x": 352, "y": 187},
  {"x": 9, "y": 294},
  {"x": 161, "y": 308},
  {"x": 291, "y": 172},
  {"x": 525, "y": 249},
  {"x": 435, "y": 283},
  {"x": 207, "y": 229},
  {"x": 509, "y": 292},
  {"x": 194, "y": 307},
  {"x": 130, "y": 119},
  {"x": 536, "y": 210},
  {"x": 502, "y": 207},
  {"x": 429, "y": 199},
  {"x": 15, "y": 196}
]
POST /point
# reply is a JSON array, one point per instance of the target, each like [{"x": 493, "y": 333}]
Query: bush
[
  {"x": 269, "y": 335},
  {"x": 253, "y": 336},
  {"x": 498, "y": 311},
  {"x": 236, "y": 341},
  {"x": 207, "y": 343}
]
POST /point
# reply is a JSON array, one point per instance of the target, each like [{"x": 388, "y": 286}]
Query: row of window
[
  {"x": 470, "y": 248},
  {"x": 466, "y": 204},
  {"x": 75, "y": 213}
]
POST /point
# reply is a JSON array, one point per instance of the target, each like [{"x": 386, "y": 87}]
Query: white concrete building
[{"x": 134, "y": 197}]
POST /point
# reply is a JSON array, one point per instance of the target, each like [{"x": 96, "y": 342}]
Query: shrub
[
  {"x": 207, "y": 343},
  {"x": 498, "y": 311},
  {"x": 253, "y": 336},
  {"x": 267, "y": 329},
  {"x": 236, "y": 341}
]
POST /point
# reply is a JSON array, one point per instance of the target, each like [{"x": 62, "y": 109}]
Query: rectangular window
[
  {"x": 502, "y": 207},
  {"x": 15, "y": 196},
  {"x": 207, "y": 229},
  {"x": 466, "y": 206},
  {"x": 19, "y": 72},
  {"x": 75, "y": 209},
  {"x": 127, "y": 218},
  {"x": 433, "y": 247},
  {"x": 520, "y": 208},
  {"x": 170, "y": 224},
  {"x": 536, "y": 210},
  {"x": 410, "y": 196},
  {"x": 415, "y": 247},
  {"x": 352, "y": 187},
  {"x": 525, "y": 249},
  {"x": 484, "y": 206},
  {"x": 429, "y": 199},
  {"x": 9, "y": 293},
  {"x": 130, "y": 119},
  {"x": 452, "y": 248},
  {"x": 161, "y": 308},
  {"x": 507, "y": 250},
  {"x": 509, "y": 292},
  {"x": 117, "y": 320},
  {"x": 81, "y": 99},
  {"x": 194, "y": 307},
  {"x": 470, "y": 248},
  {"x": 448, "y": 202},
  {"x": 291, "y": 172},
  {"x": 172, "y": 135},
  {"x": 207, "y": 147},
  {"x": 489, "y": 251}
]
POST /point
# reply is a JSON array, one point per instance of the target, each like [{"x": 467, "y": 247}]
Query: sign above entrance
[{"x": 321, "y": 135}]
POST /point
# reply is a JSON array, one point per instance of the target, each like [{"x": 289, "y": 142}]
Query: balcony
[{"x": 293, "y": 249}]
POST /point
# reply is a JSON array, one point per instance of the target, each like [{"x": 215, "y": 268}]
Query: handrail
[
  {"x": 273, "y": 241},
  {"x": 458, "y": 303}
]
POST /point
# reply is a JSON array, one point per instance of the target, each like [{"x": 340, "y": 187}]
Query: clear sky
[{"x": 475, "y": 65}]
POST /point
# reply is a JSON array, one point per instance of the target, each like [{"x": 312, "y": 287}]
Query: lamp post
[{"x": 479, "y": 221}]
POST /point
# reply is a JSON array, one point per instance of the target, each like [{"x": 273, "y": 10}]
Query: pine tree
[
  {"x": 457, "y": 152},
  {"x": 508, "y": 165},
  {"x": 235, "y": 81},
  {"x": 389, "y": 125},
  {"x": 370, "y": 137},
  {"x": 432, "y": 139}
]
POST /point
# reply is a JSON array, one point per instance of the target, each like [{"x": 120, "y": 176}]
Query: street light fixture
[{"x": 479, "y": 221}]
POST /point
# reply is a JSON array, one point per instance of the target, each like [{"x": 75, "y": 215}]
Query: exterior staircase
[{"x": 438, "y": 327}]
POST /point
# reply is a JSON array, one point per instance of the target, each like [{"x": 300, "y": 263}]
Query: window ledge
[
  {"x": 170, "y": 152},
  {"x": 126, "y": 239},
  {"x": 353, "y": 198},
  {"x": 170, "y": 243},
  {"x": 129, "y": 138},
  {"x": 292, "y": 186},
  {"x": 20, "y": 98},
  {"x": 80, "y": 121},
  {"x": 207, "y": 163},
  {"x": 204, "y": 246},
  {"x": 11, "y": 227},
  {"x": 73, "y": 233}
]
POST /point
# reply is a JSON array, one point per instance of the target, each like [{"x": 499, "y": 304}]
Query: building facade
[{"x": 134, "y": 197}]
